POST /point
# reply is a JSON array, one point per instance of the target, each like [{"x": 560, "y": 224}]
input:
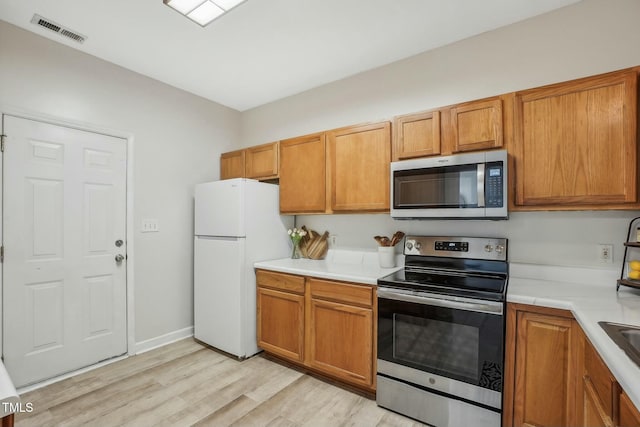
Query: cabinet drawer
[
  {"x": 341, "y": 292},
  {"x": 603, "y": 383},
  {"x": 285, "y": 282}
]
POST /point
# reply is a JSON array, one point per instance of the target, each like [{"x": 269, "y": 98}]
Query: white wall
[
  {"x": 178, "y": 138},
  {"x": 587, "y": 38}
]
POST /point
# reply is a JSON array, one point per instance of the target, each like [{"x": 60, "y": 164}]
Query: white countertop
[
  {"x": 590, "y": 294},
  {"x": 358, "y": 266}
]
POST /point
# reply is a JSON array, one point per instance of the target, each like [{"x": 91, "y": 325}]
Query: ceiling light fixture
[{"x": 202, "y": 12}]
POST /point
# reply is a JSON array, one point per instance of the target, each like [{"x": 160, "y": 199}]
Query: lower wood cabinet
[
  {"x": 280, "y": 323},
  {"x": 629, "y": 415},
  {"x": 555, "y": 377},
  {"x": 594, "y": 414},
  {"x": 340, "y": 331},
  {"x": 600, "y": 391},
  {"x": 328, "y": 328},
  {"x": 541, "y": 361}
]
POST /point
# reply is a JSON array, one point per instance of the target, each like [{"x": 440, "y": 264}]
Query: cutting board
[{"x": 314, "y": 245}]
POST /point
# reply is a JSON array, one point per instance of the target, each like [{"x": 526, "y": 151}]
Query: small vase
[{"x": 296, "y": 252}]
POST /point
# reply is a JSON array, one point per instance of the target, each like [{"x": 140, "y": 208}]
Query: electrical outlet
[
  {"x": 150, "y": 225},
  {"x": 333, "y": 241},
  {"x": 605, "y": 253}
]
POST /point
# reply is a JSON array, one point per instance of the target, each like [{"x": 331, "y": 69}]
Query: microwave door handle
[{"x": 481, "y": 185}]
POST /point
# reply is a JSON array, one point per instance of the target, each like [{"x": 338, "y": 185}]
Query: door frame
[{"x": 89, "y": 127}]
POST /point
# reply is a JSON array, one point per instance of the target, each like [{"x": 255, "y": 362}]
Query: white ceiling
[{"x": 265, "y": 50}]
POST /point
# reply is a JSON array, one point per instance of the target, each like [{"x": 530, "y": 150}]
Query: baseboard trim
[
  {"x": 140, "y": 347},
  {"x": 32, "y": 387},
  {"x": 162, "y": 340}
]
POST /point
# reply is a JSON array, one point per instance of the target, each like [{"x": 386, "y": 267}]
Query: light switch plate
[{"x": 150, "y": 225}]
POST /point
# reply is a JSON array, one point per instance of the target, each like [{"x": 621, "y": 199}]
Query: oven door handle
[{"x": 490, "y": 307}]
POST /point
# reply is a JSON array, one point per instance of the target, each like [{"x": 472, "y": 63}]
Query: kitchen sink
[{"x": 627, "y": 337}]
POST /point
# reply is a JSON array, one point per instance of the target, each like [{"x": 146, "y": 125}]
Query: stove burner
[{"x": 478, "y": 272}]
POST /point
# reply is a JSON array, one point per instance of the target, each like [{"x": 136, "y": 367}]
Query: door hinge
[
  {"x": 2, "y": 137},
  {"x": 1, "y": 253}
]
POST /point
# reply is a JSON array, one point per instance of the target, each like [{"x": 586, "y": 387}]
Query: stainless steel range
[{"x": 441, "y": 331}]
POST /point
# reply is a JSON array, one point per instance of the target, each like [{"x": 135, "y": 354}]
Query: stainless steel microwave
[{"x": 462, "y": 186}]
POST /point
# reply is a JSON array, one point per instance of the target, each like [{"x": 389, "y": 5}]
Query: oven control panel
[
  {"x": 457, "y": 247},
  {"x": 442, "y": 245}
]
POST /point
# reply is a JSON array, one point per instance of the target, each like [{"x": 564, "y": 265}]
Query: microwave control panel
[{"x": 493, "y": 185}]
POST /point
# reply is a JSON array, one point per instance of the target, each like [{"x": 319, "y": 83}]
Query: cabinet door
[
  {"x": 629, "y": 415},
  {"x": 232, "y": 164},
  {"x": 575, "y": 143},
  {"x": 477, "y": 125},
  {"x": 281, "y": 323},
  {"x": 594, "y": 412},
  {"x": 416, "y": 135},
  {"x": 341, "y": 341},
  {"x": 545, "y": 367},
  {"x": 261, "y": 161},
  {"x": 359, "y": 163},
  {"x": 302, "y": 175}
]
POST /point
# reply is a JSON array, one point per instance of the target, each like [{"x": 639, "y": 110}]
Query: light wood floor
[{"x": 185, "y": 384}]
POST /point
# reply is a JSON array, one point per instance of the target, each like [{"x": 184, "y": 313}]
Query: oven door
[{"x": 451, "y": 345}]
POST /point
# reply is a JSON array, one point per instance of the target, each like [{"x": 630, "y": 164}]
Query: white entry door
[{"x": 64, "y": 209}]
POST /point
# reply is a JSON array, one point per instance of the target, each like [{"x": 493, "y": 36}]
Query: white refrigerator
[{"x": 237, "y": 223}]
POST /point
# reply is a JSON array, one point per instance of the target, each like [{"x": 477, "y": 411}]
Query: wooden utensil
[{"x": 397, "y": 236}]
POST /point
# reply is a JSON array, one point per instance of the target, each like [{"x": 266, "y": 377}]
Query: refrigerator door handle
[{"x": 229, "y": 238}]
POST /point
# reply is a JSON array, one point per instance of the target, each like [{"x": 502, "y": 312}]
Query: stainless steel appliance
[
  {"x": 441, "y": 331},
  {"x": 472, "y": 185}
]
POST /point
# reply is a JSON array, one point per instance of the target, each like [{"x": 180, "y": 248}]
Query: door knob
[{"x": 119, "y": 258}]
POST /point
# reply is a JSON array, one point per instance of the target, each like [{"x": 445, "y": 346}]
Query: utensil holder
[{"x": 387, "y": 256}]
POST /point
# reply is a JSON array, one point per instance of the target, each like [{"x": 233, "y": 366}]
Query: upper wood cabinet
[
  {"x": 471, "y": 126},
  {"x": 359, "y": 159},
  {"x": 476, "y": 125},
  {"x": 303, "y": 174},
  {"x": 416, "y": 135},
  {"x": 575, "y": 144},
  {"x": 261, "y": 162},
  {"x": 232, "y": 164}
]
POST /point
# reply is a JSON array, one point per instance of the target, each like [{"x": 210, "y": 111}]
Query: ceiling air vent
[{"x": 57, "y": 28}]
